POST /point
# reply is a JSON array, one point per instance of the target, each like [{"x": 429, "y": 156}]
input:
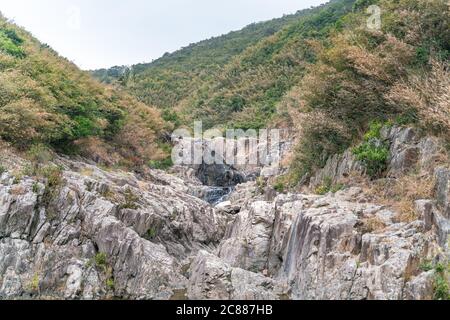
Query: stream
[{"x": 216, "y": 195}]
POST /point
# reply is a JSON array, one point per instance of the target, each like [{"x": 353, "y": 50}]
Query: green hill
[
  {"x": 321, "y": 71},
  {"x": 186, "y": 74},
  {"x": 46, "y": 100}
]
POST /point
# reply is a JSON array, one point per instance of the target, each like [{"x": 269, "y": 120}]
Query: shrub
[
  {"x": 373, "y": 153},
  {"x": 35, "y": 188},
  {"x": 279, "y": 186},
  {"x": 10, "y": 43},
  {"x": 40, "y": 153},
  {"x": 53, "y": 180},
  {"x": 101, "y": 260},
  {"x": 441, "y": 285},
  {"x": 110, "y": 284},
  {"x": 2, "y": 170},
  {"x": 427, "y": 95},
  {"x": 152, "y": 233},
  {"x": 161, "y": 164}
]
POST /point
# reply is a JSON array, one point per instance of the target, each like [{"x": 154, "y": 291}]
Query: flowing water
[{"x": 216, "y": 195}]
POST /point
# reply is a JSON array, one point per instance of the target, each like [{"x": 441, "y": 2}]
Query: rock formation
[{"x": 100, "y": 233}]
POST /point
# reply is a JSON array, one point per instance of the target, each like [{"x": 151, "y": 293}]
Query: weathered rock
[
  {"x": 227, "y": 207},
  {"x": 213, "y": 279},
  {"x": 320, "y": 247},
  {"x": 102, "y": 234},
  {"x": 407, "y": 152},
  {"x": 144, "y": 228},
  {"x": 247, "y": 241}
]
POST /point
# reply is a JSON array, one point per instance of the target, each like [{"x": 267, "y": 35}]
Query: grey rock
[{"x": 213, "y": 279}]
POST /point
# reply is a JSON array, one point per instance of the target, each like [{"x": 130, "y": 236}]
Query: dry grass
[
  {"x": 401, "y": 194},
  {"x": 87, "y": 172},
  {"x": 373, "y": 224},
  {"x": 429, "y": 94}
]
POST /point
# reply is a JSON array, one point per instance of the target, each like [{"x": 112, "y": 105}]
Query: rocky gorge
[{"x": 86, "y": 232}]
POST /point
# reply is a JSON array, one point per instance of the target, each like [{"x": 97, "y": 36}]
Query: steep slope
[
  {"x": 200, "y": 73},
  {"x": 47, "y": 100},
  {"x": 245, "y": 93},
  {"x": 365, "y": 78}
]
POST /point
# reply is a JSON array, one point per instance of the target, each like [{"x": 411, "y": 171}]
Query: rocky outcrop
[
  {"x": 82, "y": 232},
  {"x": 212, "y": 278},
  {"x": 140, "y": 230},
  {"x": 408, "y": 151},
  {"x": 326, "y": 248}
]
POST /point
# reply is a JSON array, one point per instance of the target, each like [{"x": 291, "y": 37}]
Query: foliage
[
  {"x": 161, "y": 164},
  {"x": 10, "y": 43},
  {"x": 373, "y": 153},
  {"x": 46, "y": 100},
  {"x": 279, "y": 186},
  {"x": 362, "y": 76},
  {"x": 53, "y": 179},
  {"x": 152, "y": 233},
  {"x": 236, "y": 79},
  {"x": 101, "y": 260},
  {"x": 110, "y": 284},
  {"x": 441, "y": 284},
  {"x": 328, "y": 186}
]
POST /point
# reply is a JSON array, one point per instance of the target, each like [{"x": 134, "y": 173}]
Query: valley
[{"x": 94, "y": 207}]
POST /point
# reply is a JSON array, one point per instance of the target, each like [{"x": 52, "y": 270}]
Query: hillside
[
  {"x": 46, "y": 101},
  {"x": 358, "y": 209},
  {"x": 182, "y": 77}
]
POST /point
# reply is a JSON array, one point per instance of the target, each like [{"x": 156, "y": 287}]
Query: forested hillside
[
  {"x": 47, "y": 102},
  {"x": 364, "y": 79},
  {"x": 325, "y": 72},
  {"x": 195, "y": 80}
]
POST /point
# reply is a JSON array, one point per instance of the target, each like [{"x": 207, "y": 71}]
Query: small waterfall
[{"x": 216, "y": 195}]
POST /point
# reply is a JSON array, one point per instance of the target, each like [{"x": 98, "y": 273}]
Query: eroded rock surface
[{"x": 111, "y": 234}]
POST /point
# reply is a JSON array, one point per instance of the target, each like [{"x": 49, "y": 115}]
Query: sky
[{"x": 103, "y": 33}]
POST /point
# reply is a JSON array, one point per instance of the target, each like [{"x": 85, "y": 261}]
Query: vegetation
[
  {"x": 279, "y": 186},
  {"x": 328, "y": 186},
  {"x": 130, "y": 200},
  {"x": 46, "y": 101},
  {"x": 236, "y": 79},
  {"x": 101, "y": 260},
  {"x": 364, "y": 76},
  {"x": 373, "y": 153},
  {"x": 321, "y": 70},
  {"x": 441, "y": 282}
]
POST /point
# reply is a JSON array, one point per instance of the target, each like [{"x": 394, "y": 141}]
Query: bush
[
  {"x": 152, "y": 233},
  {"x": 373, "y": 155},
  {"x": 10, "y": 43},
  {"x": 441, "y": 285},
  {"x": 161, "y": 164},
  {"x": 53, "y": 180},
  {"x": 279, "y": 186},
  {"x": 40, "y": 154},
  {"x": 101, "y": 260}
]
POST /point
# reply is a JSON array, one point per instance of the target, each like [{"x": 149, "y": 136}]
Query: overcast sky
[{"x": 103, "y": 33}]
